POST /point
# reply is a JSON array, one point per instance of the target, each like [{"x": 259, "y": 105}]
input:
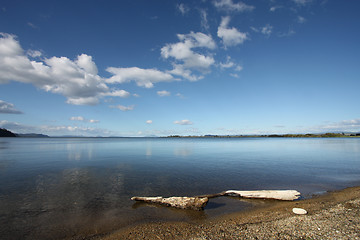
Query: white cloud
[
  {"x": 274, "y": 8},
  {"x": 229, "y": 5},
  {"x": 180, "y": 95},
  {"x": 204, "y": 20},
  {"x": 118, "y": 93},
  {"x": 33, "y": 53},
  {"x": 86, "y": 63},
  {"x": 230, "y": 36},
  {"x": 352, "y": 125},
  {"x": 30, "y": 24},
  {"x": 149, "y": 121},
  {"x": 77, "y": 80},
  {"x": 238, "y": 68},
  {"x": 82, "y": 119},
  {"x": 266, "y": 30},
  {"x": 184, "y": 122},
  {"x": 124, "y": 108},
  {"x": 179, "y": 70},
  {"x": 301, "y": 19},
  {"x": 183, "y": 8},
  {"x": 255, "y": 29},
  {"x": 6, "y": 107},
  {"x": 142, "y": 77},
  {"x": 287, "y": 34},
  {"x": 228, "y": 64},
  {"x": 185, "y": 56},
  {"x": 302, "y": 2},
  {"x": 77, "y": 118},
  {"x": 163, "y": 93},
  {"x": 93, "y": 121}
]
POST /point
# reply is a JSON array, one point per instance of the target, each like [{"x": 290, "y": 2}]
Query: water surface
[{"x": 54, "y": 188}]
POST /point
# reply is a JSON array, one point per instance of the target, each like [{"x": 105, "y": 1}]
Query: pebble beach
[{"x": 335, "y": 215}]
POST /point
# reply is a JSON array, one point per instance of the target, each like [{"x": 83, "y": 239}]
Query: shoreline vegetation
[
  {"x": 334, "y": 215},
  {"x": 6, "y": 133},
  {"x": 308, "y": 135}
]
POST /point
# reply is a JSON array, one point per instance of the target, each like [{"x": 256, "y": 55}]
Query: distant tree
[{"x": 6, "y": 133}]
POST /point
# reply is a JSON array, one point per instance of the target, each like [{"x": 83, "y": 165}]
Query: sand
[{"x": 335, "y": 215}]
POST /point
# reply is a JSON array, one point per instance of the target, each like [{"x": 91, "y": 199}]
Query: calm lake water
[{"x": 53, "y": 188}]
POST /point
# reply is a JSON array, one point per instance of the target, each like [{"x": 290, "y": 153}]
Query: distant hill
[
  {"x": 31, "y": 135},
  {"x": 6, "y": 133}
]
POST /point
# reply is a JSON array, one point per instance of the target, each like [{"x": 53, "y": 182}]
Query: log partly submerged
[
  {"x": 195, "y": 203},
  {"x": 199, "y": 202}
]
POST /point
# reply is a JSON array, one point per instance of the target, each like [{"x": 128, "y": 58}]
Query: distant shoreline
[
  {"x": 309, "y": 135},
  {"x": 7, "y": 133}
]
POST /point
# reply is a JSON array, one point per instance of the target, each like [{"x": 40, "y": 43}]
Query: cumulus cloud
[
  {"x": 230, "y": 64},
  {"x": 163, "y": 93},
  {"x": 149, "y": 121},
  {"x": 180, "y": 70},
  {"x": 229, "y": 5},
  {"x": 118, "y": 93},
  {"x": 142, "y": 77},
  {"x": 184, "y": 122},
  {"x": 185, "y": 56},
  {"x": 6, "y": 107},
  {"x": 82, "y": 119},
  {"x": 230, "y": 36},
  {"x": 77, "y": 80},
  {"x": 124, "y": 108}
]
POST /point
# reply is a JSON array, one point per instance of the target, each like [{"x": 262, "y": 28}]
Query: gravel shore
[{"x": 335, "y": 215}]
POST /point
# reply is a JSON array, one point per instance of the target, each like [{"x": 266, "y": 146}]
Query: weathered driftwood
[
  {"x": 199, "y": 202},
  {"x": 287, "y": 195},
  {"x": 196, "y": 203}
]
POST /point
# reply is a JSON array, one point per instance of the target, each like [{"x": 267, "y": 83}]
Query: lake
[{"x": 53, "y": 188}]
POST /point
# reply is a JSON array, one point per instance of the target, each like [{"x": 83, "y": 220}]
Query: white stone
[{"x": 299, "y": 211}]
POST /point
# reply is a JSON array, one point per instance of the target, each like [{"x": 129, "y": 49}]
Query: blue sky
[{"x": 142, "y": 68}]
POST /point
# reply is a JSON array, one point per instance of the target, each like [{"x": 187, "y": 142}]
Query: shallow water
[{"x": 54, "y": 188}]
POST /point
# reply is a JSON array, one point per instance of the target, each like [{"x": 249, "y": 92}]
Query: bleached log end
[{"x": 287, "y": 195}]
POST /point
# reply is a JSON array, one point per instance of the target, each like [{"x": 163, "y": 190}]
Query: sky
[{"x": 159, "y": 68}]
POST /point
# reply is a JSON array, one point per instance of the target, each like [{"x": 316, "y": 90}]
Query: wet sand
[{"x": 335, "y": 215}]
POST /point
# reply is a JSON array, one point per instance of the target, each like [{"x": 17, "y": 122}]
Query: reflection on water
[{"x": 57, "y": 188}]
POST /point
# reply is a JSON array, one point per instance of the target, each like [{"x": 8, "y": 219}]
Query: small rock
[{"x": 299, "y": 211}]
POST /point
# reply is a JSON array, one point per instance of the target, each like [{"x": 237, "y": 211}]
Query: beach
[{"x": 334, "y": 215}]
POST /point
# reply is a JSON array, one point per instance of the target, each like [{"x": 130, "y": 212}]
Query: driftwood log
[
  {"x": 286, "y": 195},
  {"x": 199, "y": 202},
  {"x": 195, "y": 203}
]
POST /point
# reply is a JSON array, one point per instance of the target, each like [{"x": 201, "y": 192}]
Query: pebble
[{"x": 299, "y": 211}]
